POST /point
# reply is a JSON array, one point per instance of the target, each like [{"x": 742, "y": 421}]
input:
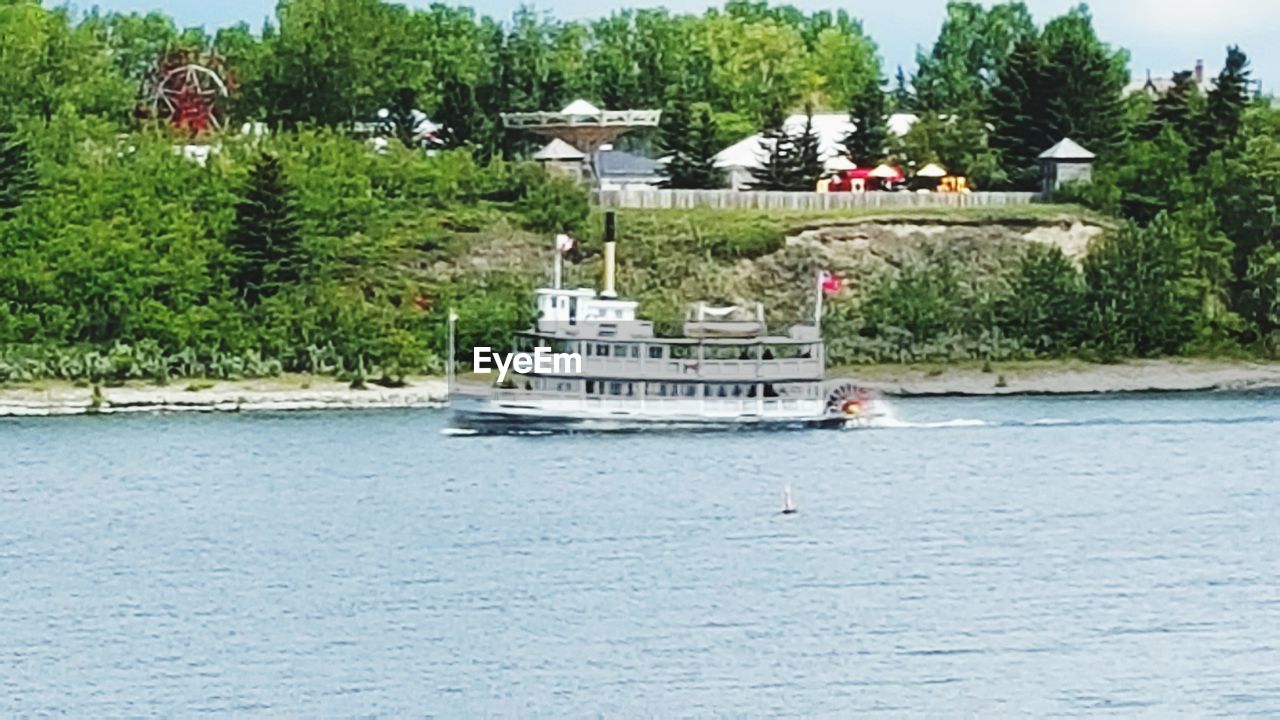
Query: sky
[{"x": 1161, "y": 35}]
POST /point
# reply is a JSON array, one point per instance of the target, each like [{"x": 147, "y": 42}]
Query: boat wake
[
  {"x": 458, "y": 432},
  {"x": 888, "y": 419}
]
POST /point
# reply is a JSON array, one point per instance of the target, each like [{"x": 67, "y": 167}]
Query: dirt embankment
[{"x": 890, "y": 242}]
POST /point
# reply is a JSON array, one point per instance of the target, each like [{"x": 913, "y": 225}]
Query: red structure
[
  {"x": 188, "y": 90},
  {"x": 863, "y": 180}
]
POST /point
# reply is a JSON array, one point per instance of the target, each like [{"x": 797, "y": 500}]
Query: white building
[{"x": 739, "y": 159}]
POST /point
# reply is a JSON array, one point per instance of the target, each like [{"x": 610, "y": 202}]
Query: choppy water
[{"x": 975, "y": 557}]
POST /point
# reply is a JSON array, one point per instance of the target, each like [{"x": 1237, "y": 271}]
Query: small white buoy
[{"x": 788, "y": 503}]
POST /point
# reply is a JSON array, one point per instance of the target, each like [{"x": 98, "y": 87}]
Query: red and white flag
[{"x": 830, "y": 282}]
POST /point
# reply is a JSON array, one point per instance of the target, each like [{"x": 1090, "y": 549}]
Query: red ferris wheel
[{"x": 189, "y": 90}]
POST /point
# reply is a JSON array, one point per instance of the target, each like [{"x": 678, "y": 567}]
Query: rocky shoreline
[
  {"x": 290, "y": 394},
  {"x": 1071, "y": 378},
  {"x": 239, "y": 396}
]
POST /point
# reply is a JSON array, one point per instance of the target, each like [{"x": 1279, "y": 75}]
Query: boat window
[
  {"x": 690, "y": 390},
  {"x": 631, "y": 389},
  {"x": 655, "y": 352},
  {"x": 737, "y": 391},
  {"x": 615, "y": 388},
  {"x": 722, "y": 391},
  {"x": 620, "y": 351},
  {"x": 591, "y": 387},
  {"x": 635, "y": 352},
  {"x": 751, "y": 391},
  {"x": 602, "y": 350}
]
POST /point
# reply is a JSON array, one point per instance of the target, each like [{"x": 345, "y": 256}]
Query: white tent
[{"x": 580, "y": 107}]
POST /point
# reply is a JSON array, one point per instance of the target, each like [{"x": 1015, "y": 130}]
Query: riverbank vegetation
[{"x": 306, "y": 249}]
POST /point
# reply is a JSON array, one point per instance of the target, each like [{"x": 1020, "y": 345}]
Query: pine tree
[
  {"x": 865, "y": 143},
  {"x": 1225, "y": 106},
  {"x": 778, "y": 170},
  {"x": 687, "y": 139},
  {"x": 902, "y": 99},
  {"x": 16, "y": 173},
  {"x": 704, "y": 144},
  {"x": 808, "y": 157},
  {"x": 265, "y": 241},
  {"x": 1174, "y": 110},
  {"x": 1064, "y": 83}
]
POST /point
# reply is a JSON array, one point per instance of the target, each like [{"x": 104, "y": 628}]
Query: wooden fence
[{"x": 769, "y": 200}]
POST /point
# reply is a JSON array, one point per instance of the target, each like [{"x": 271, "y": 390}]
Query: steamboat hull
[{"x": 483, "y": 415}]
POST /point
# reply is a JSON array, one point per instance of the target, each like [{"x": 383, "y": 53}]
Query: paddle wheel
[
  {"x": 189, "y": 90},
  {"x": 849, "y": 400}
]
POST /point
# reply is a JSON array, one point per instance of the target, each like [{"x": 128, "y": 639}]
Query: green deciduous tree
[
  {"x": 17, "y": 174},
  {"x": 1045, "y": 302},
  {"x": 959, "y": 144},
  {"x": 1139, "y": 300},
  {"x": 956, "y": 75}
]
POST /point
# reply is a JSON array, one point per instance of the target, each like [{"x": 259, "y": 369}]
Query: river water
[{"x": 1041, "y": 556}]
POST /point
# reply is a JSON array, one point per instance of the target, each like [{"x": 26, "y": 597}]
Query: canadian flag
[
  {"x": 830, "y": 282},
  {"x": 564, "y": 243}
]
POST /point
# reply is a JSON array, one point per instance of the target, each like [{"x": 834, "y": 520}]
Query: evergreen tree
[
  {"x": 1174, "y": 110},
  {"x": 1064, "y": 83},
  {"x": 16, "y": 173},
  {"x": 865, "y": 143},
  {"x": 265, "y": 241},
  {"x": 704, "y": 146},
  {"x": 688, "y": 140},
  {"x": 808, "y": 157},
  {"x": 1225, "y": 106},
  {"x": 777, "y": 172},
  {"x": 902, "y": 99}
]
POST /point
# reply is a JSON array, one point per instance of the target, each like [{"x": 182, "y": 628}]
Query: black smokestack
[{"x": 610, "y": 227}]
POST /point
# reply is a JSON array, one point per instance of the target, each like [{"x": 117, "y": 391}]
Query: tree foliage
[
  {"x": 264, "y": 242},
  {"x": 688, "y": 142},
  {"x": 1063, "y": 82},
  {"x": 867, "y": 140}
]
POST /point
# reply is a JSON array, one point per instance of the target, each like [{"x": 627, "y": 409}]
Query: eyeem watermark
[{"x": 540, "y": 361}]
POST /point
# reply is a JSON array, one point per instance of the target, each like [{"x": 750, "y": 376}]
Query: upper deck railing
[{"x": 705, "y": 369}]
